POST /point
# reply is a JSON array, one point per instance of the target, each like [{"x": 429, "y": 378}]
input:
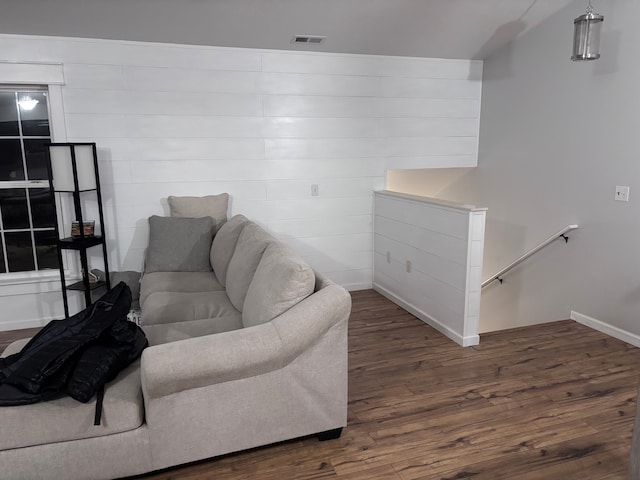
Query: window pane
[
  {"x": 42, "y": 214},
  {"x": 46, "y": 249},
  {"x": 13, "y": 205},
  {"x": 11, "y": 160},
  {"x": 34, "y": 116},
  {"x": 19, "y": 251},
  {"x": 36, "y": 153},
  {"x": 24, "y": 134},
  {"x": 8, "y": 114}
]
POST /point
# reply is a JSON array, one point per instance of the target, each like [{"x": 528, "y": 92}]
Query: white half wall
[
  {"x": 428, "y": 260},
  {"x": 262, "y": 125},
  {"x": 556, "y": 138}
]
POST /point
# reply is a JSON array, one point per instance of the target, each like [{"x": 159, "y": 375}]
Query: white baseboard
[
  {"x": 443, "y": 329},
  {"x": 603, "y": 327},
  {"x": 352, "y": 287}
]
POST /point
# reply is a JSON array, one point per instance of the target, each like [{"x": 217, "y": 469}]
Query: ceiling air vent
[{"x": 308, "y": 39}]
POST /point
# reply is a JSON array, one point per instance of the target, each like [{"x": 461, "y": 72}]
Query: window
[{"x": 27, "y": 215}]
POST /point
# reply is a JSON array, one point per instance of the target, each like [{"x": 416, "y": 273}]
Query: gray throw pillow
[{"x": 179, "y": 244}]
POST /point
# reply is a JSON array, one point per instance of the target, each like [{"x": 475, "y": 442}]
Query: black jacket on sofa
[{"x": 76, "y": 355}]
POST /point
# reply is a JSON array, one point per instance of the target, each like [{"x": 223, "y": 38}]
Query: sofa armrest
[{"x": 197, "y": 362}]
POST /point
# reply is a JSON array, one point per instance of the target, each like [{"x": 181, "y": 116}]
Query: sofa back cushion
[
  {"x": 252, "y": 243},
  {"x": 282, "y": 280},
  {"x": 214, "y": 206},
  {"x": 179, "y": 244},
  {"x": 224, "y": 244}
]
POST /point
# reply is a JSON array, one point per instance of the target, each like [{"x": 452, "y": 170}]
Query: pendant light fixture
[
  {"x": 27, "y": 103},
  {"x": 586, "y": 35}
]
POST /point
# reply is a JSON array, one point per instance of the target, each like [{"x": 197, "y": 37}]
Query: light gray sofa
[{"x": 248, "y": 352}]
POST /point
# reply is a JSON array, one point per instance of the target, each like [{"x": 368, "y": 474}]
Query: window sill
[{"x": 22, "y": 278}]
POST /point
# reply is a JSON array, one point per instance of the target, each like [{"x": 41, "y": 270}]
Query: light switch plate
[{"x": 622, "y": 193}]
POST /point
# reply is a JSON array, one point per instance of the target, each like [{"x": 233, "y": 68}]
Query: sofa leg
[{"x": 330, "y": 434}]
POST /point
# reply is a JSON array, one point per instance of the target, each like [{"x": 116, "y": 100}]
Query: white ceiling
[{"x": 424, "y": 28}]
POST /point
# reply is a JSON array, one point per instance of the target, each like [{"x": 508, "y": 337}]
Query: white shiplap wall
[
  {"x": 428, "y": 259},
  {"x": 263, "y": 126}
]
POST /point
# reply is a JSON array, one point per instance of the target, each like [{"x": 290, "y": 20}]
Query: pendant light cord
[{"x": 527, "y": 10}]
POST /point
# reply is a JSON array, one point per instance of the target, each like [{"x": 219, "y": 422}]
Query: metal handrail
[{"x": 555, "y": 236}]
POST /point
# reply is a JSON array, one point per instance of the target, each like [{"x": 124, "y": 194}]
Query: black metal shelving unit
[{"x": 80, "y": 243}]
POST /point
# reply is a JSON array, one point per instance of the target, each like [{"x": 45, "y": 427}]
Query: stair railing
[{"x": 552, "y": 238}]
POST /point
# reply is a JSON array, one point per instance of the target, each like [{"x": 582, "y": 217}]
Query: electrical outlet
[
  {"x": 408, "y": 266},
  {"x": 622, "y": 194},
  {"x": 314, "y": 190}
]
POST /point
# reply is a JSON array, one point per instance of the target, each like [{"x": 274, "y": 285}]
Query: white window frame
[{"x": 50, "y": 75}]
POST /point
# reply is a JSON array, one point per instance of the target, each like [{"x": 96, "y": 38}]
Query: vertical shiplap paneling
[
  {"x": 428, "y": 259},
  {"x": 263, "y": 126}
]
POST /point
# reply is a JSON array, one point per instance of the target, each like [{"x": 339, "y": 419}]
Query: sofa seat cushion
[
  {"x": 172, "y": 332},
  {"x": 178, "y": 282},
  {"x": 63, "y": 418},
  {"x": 170, "y": 307},
  {"x": 281, "y": 280}
]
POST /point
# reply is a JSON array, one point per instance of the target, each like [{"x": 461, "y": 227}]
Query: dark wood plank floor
[{"x": 553, "y": 401}]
